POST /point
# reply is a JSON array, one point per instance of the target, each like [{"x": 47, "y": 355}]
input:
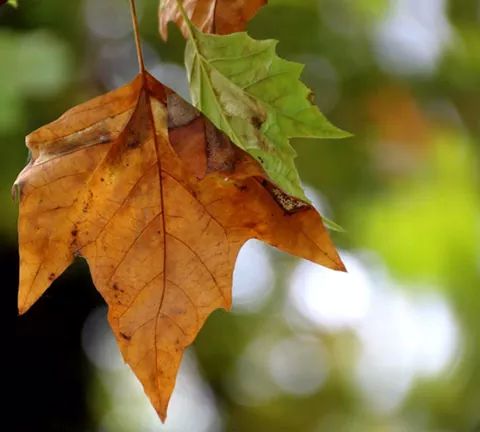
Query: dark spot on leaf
[
  {"x": 241, "y": 187},
  {"x": 74, "y": 232},
  {"x": 287, "y": 202},
  {"x": 221, "y": 153},
  {"x": 257, "y": 122},
  {"x": 180, "y": 113},
  {"x": 133, "y": 142},
  {"x": 125, "y": 336},
  {"x": 86, "y": 206},
  {"x": 51, "y": 277}
]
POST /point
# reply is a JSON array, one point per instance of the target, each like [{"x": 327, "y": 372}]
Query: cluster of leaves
[{"x": 158, "y": 196}]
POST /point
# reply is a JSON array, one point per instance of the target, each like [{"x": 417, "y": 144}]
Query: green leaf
[
  {"x": 331, "y": 225},
  {"x": 13, "y": 3},
  {"x": 257, "y": 99}
]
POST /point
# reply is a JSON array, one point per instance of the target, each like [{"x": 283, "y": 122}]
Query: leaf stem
[{"x": 136, "y": 32}]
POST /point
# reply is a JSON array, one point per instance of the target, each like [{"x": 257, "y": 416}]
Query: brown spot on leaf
[
  {"x": 180, "y": 113},
  {"x": 221, "y": 153},
  {"x": 241, "y": 187},
  {"x": 257, "y": 122},
  {"x": 286, "y": 202},
  {"x": 125, "y": 336},
  {"x": 133, "y": 141}
]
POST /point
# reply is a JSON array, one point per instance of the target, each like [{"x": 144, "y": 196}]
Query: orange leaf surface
[
  {"x": 209, "y": 16},
  {"x": 159, "y": 203}
]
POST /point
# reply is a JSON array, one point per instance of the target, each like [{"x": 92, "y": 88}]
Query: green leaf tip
[
  {"x": 332, "y": 226},
  {"x": 13, "y": 3},
  {"x": 257, "y": 99}
]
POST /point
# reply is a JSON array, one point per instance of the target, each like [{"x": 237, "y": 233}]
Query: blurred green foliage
[{"x": 405, "y": 187}]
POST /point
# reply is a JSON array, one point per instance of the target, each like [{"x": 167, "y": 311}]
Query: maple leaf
[
  {"x": 158, "y": 202},
  {"x": 211, "y": 16},
  {"x": 159, "y": 214},
  {"x": 256, "y": 98}
]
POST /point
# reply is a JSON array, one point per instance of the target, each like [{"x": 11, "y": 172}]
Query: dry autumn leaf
[
  {"x": 159, "y": 203},
  {"x": 210, "y": 16}
]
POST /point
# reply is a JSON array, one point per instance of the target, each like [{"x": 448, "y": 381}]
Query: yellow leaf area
[{"x": 159, "y": 203}]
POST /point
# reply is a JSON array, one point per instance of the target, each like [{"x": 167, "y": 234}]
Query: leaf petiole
[{"x": 136, "y": 32}]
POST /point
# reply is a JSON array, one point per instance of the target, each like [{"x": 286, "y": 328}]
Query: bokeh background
[{"x": 394, "y": 345}]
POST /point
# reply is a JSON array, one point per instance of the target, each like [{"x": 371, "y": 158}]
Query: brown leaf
[
  {"x": 159, "y": 203},
  {"x": 210, "y": 16}
]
